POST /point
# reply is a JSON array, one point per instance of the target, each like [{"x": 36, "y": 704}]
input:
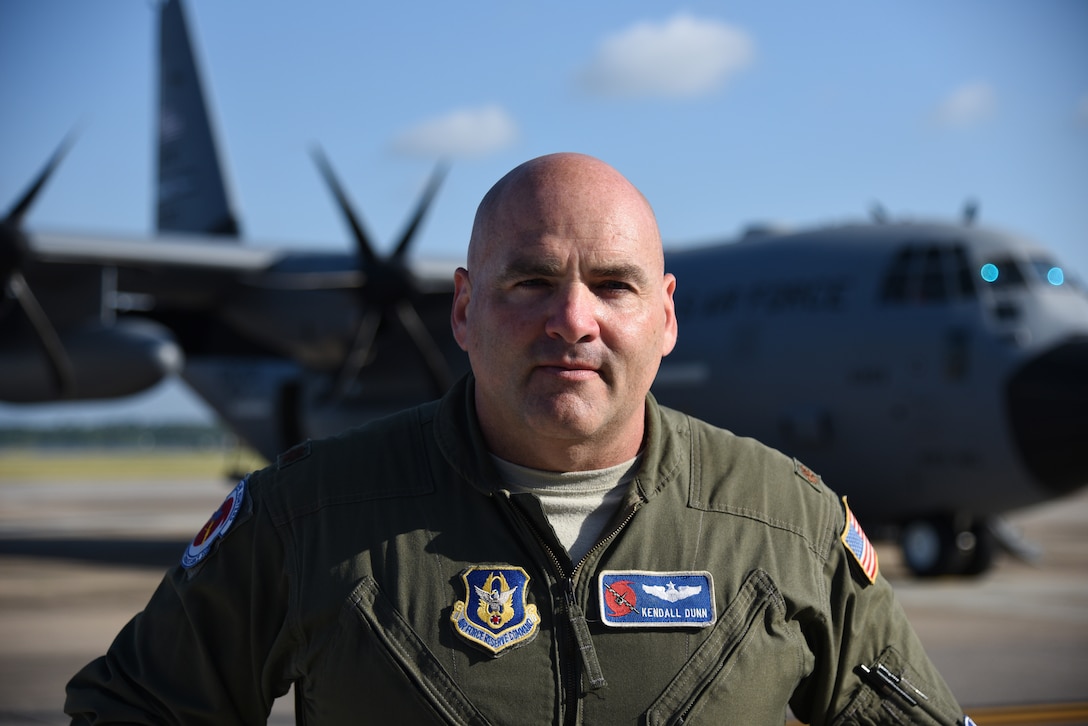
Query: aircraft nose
[{"x": 1048, "y": 408}]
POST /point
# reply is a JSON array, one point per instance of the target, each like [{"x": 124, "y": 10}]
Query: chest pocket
[
  {"x": 737, "y": 674},
  {"x": 374, "y": 668}
]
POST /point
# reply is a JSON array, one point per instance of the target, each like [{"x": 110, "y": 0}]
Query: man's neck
[
  {"x": 565, "y": 456},
  {"x": 529, "y": 447}
]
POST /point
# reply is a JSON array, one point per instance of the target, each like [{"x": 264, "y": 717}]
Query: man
[{"x": 544, "y": 545}]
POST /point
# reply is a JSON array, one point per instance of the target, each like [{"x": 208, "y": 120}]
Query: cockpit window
[
  {"x": 928, "y": 273},
  {"x": 934, "y": 273},
  {"x": 1002, "y": 273},
  {"x": 1049, "y": 272}
]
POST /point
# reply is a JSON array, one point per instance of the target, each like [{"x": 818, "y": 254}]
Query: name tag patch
[{"x": 641, "y": 599}]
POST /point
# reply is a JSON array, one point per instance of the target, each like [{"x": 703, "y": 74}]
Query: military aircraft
[{"x": 936, "y": 373}]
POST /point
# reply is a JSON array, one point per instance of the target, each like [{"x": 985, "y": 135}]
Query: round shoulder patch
[{"x": 216, "y": 527}]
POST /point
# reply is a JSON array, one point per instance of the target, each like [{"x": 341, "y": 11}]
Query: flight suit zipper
[{"x": 578, "y": 636}]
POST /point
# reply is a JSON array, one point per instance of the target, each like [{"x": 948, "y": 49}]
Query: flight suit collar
[{"x": 459, "y": 438}]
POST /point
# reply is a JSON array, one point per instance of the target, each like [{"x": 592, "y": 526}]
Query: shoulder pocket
[
  {"x": 736, "y": 675},
  {"x": 913, "y": 700}
]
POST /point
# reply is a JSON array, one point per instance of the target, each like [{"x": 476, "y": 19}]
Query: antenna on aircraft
[
  {"x": 878, "y": 213},
  {"x": 970, "y": 212}
]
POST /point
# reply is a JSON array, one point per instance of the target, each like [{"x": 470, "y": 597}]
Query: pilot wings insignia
[{"x": 671, "y": 593}]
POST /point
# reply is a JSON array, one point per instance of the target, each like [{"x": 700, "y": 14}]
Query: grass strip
[{"x": 31, "y": 464}]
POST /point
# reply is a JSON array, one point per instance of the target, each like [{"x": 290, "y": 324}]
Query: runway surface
[{"x": 79, "y": 558}]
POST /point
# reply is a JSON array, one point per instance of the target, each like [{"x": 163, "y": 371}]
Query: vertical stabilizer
[{"x": 193, "y": 194}]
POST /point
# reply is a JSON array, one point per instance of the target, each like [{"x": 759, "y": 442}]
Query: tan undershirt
[{"x": 578, "y": 504}]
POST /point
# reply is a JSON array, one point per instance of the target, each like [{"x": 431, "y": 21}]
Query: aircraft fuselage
[{"x": 880, "y": 357}]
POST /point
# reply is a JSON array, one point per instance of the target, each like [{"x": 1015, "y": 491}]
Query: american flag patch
[{"x": 859, "y": 545}]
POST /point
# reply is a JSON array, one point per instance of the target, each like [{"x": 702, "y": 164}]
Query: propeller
[
  {"x": 14, "y": 251},
  {"x": 388, "y": 295}
]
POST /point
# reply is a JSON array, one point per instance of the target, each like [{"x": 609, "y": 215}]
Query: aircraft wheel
[
  {"x": 930, "y": 547},
  {"x": 980, "y": 557}
]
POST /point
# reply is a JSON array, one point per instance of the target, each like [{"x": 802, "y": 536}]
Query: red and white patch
[{"x": 215, "y": 528}]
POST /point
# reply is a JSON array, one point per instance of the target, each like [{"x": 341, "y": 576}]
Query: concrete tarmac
[{"x": 79, "y": 558}]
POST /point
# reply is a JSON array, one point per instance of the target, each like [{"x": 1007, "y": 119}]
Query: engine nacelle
[{"x": 109, "y": 361}]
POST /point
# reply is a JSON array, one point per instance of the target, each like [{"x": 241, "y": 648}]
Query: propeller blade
[
  {"x": 362, "y": 240},
  {"x": 13, "y": 250},
  {"x": 59, "y": 364},
  {"x": 426, "y": 345},
  {"x": 437, "y": 176},
  {"x": 389, "y": 288},
  {"x": 15, "y": 216},
  {"x": 359, "y": 353}
]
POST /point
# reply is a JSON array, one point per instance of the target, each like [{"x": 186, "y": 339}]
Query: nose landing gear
[{"x": 948, "y": 545}]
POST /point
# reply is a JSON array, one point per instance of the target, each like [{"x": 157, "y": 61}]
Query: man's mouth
[{"x": 569, "y": 371}]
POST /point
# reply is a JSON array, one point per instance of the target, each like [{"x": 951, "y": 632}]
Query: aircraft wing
[
  {"x": 190, "y": 268},
  {"x": 179, "y": 252}
]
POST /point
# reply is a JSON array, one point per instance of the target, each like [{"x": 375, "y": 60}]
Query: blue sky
[{"x": 724, "y": 114}]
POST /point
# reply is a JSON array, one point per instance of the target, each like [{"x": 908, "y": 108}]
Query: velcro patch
[
  {"x": 216, "y": 527},
  {"x": 807, "y": 474},
  {"x": 640, "y": 599},
  {"x": 298, "y": 452},
  {"x": 859, "y": 545}
]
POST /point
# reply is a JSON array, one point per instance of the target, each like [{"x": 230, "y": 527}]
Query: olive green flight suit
[{"x": 339, "y": 568}]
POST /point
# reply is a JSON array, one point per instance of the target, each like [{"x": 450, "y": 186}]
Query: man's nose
[{"x": 573, "y": 314}]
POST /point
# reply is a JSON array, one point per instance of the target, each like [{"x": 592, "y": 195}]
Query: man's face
[{"x": 565, "y": 314}]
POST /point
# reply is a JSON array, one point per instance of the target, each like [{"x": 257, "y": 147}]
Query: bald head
[
  {"x": 561, "y": 190},
  {"x": 565, "y": 311}
]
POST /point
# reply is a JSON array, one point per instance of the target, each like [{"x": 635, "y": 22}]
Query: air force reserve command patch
[
  {"x": 494, "y": 614},
  {"x": 859, "y": 545},
  {"x": 640, "y": 599},
  {"x": 216, "y": 527}
]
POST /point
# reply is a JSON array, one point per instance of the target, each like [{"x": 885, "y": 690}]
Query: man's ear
[
  {"x": 671, "y": 326},
  {"x": 462, "y": 292}
]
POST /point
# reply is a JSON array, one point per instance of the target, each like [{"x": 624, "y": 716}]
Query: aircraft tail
[{"x": 193, "y": 191}]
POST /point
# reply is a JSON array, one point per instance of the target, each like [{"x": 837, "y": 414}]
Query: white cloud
[
  {"x": 967, "y": 106},
  {"x": 460, "y": 133},
  {"x": 682, "y": 57}
]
